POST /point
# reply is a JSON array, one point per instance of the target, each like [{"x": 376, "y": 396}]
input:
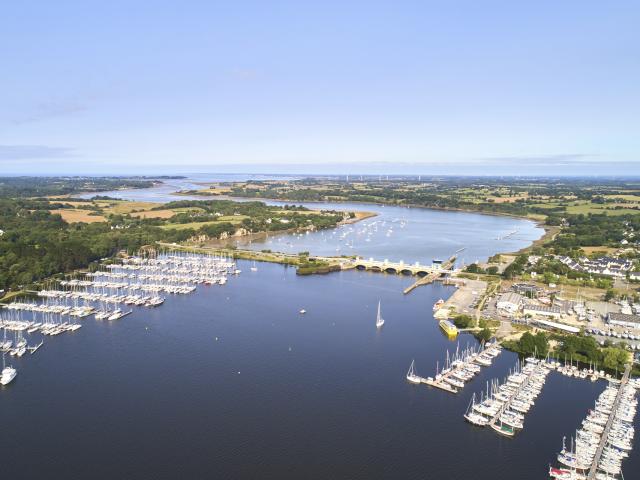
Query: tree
[
  {"x": 527, "y": 344},
  {"x": 473, "y": 268},
  {"x": 609, "y": 295},
  {"x": 484, "y": 335},
  {"x": 614, "y": 358},
  {"x": 463, "y": 321},
  {"x": 541, "y": 344}
]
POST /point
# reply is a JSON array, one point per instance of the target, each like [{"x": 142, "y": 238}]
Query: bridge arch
[
  {"x": 422, "y": 273},
  {"x": 361, "y": 267},
  {"x": 390, "y": 270},
  {"x": 406, "y": 271}
]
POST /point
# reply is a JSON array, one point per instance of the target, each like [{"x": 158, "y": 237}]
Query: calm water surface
[
  {"x": 395, "y": 233},
  {"x": 231, "y": 382}
]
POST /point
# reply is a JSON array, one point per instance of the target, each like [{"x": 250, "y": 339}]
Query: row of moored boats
[
  {"x": 605, "y": 438},
  {"x": 504, "y": 406},
  {"x": 135, "y": 281}
]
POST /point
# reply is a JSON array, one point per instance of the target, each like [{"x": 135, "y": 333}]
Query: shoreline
[
  {"x": 360, "y": 215},
  {"x": 549, "y": 231},
  {"x": 204, "y": 193},
  {"x": 538, "y": 223}
]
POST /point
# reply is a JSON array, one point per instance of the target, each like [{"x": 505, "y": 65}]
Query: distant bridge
[{"x": 400, "y": 268}]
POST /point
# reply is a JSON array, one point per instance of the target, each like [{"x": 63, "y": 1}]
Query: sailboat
[
  {"x": 253, "y": 267},
  {"x": 474, "y": 417},
  {"x": 411, "y": 374},
  {"x": 379, "y": 319},
  {"x": 8, "y": 373}
]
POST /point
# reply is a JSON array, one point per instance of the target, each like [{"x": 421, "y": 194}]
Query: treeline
[
  {"x": 572, "y": 348},
  {"x": 35, "y": 244},
  {"x": 47, "y": 186},
  {"x": 256, "y": 216},
  {"x": 435, "y": 193},
  {"x": 591, "y": 230}
]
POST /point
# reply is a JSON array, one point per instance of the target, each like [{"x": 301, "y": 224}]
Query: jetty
[
  {"x": 432, "y": 275},
  {"x": 605, "y": 437},
  {"x": 607, "y": 429},
  {"x": 462, "y": 368},
  {"x": 516, "y": 396},
  {"x": 504, "y": 407}
]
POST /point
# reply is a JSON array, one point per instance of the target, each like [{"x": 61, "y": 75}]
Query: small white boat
[
  {"x": 379, "y": 319},
  {"x": 8, "y": 373},
  {"x": 303, "y": 311}
]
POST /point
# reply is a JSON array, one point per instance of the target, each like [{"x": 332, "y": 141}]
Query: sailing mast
[{"x": 379, "y": 319}]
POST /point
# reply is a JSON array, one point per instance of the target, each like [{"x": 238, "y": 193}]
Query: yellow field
[
  {"x": 123, "y": 207},
  {"x": 154, "y": 214},
  {"x": 606, "y": 250},
  {"x": 78, "y": 216},
  {"x": 630, "y": 198}
]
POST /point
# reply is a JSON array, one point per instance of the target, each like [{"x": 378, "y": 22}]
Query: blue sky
[{"x": 443, "y": 87}]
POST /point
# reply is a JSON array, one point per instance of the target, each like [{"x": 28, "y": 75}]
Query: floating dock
[{"x": 465, "y": 369}]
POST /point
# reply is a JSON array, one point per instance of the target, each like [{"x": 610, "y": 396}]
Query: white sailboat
[
  {"x": 379, "y": 319},
  {"x": 8, "y": 373},
  {"x": 411, "y": 374},
  {"x": 254, "y": 268}
]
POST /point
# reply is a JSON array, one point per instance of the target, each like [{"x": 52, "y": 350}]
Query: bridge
[{"x": 400, "y": 268}]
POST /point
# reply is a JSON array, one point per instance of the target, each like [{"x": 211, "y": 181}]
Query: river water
[
  {"x": 395, "y": 233},
  {"x": 231, "y": 382}
]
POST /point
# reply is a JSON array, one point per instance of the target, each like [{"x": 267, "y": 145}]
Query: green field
[{"x": 234, "y": 220}]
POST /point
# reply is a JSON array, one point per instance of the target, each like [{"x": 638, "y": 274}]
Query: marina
[
  {"x": 134, "y": 281},
  {"x": 458, "y": 369},
  {"x": 605, "y": 437},
  {"x": 504, "y": 406}
]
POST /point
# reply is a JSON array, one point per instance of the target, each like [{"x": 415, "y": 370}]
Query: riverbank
[
  {"x": 550, "y": 232},
  {"x": 305, "y": 264}
]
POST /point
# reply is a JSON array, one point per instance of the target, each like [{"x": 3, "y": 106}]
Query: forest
[{"x": 36, "y": 244}]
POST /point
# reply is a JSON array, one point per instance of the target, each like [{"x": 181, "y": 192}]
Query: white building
[
  {"x": 624, "y": 320},
  {"x": 539, "y": 310},
  {"x": 510, "y": 302}
]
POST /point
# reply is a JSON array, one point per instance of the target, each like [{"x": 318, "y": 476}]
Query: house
[
  {"x": 623, "y": 319},
  {"x": 509, "y": 302},
  {"x": 544, "y": 311},
  {"x": 609, "y": 266}
]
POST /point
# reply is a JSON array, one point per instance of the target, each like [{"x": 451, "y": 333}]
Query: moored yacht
[{"x": 411, "y": 374}]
